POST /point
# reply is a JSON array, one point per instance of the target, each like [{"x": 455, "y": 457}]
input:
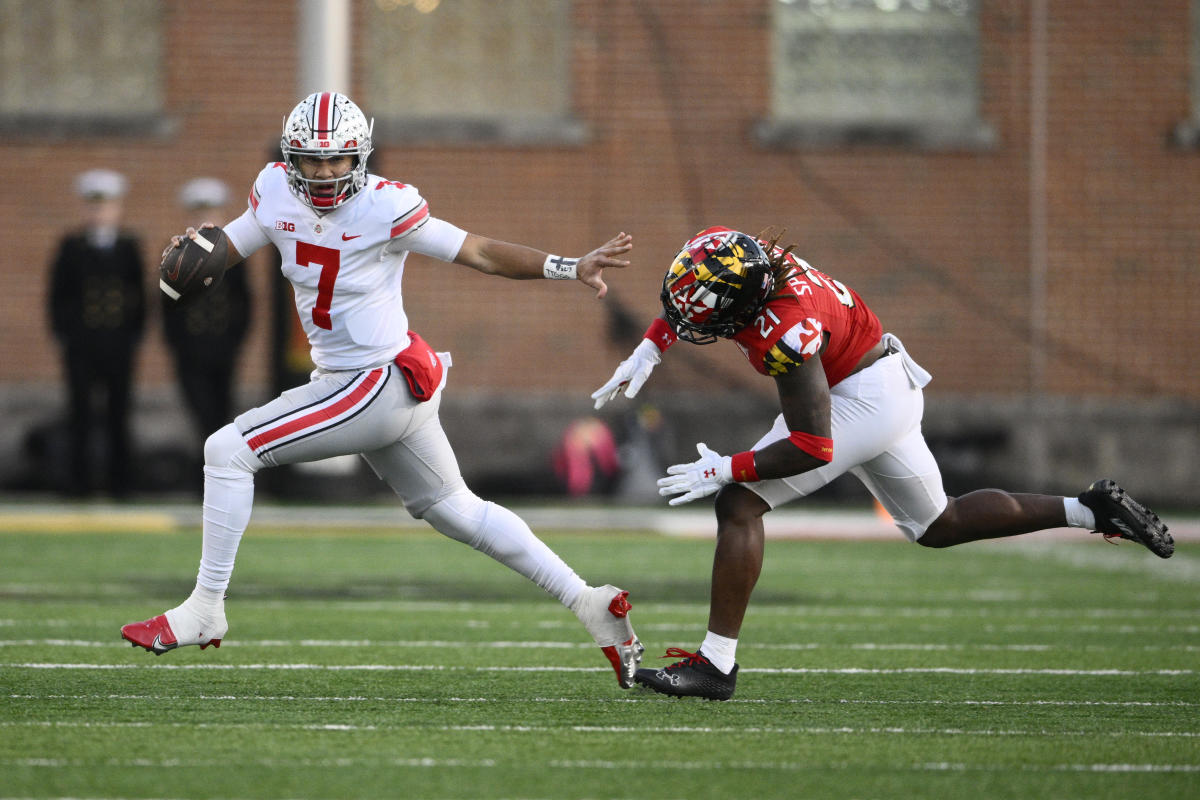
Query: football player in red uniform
[{"x": 851, "y": 401}]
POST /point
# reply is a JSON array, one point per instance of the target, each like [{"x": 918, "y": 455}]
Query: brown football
[{"x": 194, "y": 267}]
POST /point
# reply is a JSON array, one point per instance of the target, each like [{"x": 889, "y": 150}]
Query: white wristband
[{"x": 557, "y": 268}]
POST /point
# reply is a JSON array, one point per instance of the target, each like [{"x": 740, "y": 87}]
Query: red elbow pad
[{"x": 818, "y": 447}]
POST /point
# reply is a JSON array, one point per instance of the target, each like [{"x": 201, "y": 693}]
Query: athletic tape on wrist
[
  {"x": 661, "y": 334},
  {"x": 818, "y": 447},
  {"x": 742, "y": 465},
  {"x": 557, "y": 268}
]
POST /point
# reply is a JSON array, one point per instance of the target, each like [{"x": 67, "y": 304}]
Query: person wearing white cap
[
  {"x": 206, "y": 334},
  {"x": 97, "y": 313}
]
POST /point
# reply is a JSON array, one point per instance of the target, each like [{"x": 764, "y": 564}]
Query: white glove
[
  {"x": 631, "y": 373},
  {"x": 699, "y": 478}
]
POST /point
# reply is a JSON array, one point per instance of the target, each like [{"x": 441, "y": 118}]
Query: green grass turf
[{"x": 375, "y": 665}]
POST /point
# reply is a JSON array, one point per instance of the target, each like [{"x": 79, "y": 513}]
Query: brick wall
[{"x": 938, "y": 243}]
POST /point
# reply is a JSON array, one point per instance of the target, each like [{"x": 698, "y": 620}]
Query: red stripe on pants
[{"x": 320, "y": 415}]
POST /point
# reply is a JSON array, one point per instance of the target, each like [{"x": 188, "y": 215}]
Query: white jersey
[{"x": 346, "y": 265}]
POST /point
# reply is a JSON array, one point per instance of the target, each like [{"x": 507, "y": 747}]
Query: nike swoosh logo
[{"x": 346, "y": 238}]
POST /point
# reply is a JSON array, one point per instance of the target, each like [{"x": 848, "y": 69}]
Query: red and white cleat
[
  {"x": 604, "y": 611},
  {"x": 175, "y": 628}
]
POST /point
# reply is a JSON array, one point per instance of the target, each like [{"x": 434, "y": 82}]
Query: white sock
[
  {"x": 228, "y": 501},
  {"x": 1079, "y": 515},
  {"x": 497, "y": 532},
  {"x": 720, "y": 651},
  {"x": 205, "y": 601}
]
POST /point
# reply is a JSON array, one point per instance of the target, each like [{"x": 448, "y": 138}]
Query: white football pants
[
  {"x": 877, "y": 439},
  {"x": 369, "y": 412}
]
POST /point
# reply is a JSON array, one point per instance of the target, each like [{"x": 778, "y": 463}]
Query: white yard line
[
  {"x": 237, "y": 698},
  {"x": 953, "y": 609},
  {"x": 825, "y": 626},
  {"x": 435, "y": 644},
  {"x": 616, "y": 765},
  {"x": 458, "y": 668},
  {"x": 805, "y": 730}
]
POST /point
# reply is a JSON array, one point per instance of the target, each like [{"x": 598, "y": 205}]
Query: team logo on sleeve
[{"x": 800, "y": 343}]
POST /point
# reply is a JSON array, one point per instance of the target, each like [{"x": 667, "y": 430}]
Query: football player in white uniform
[{"x": 343, "y": 235}]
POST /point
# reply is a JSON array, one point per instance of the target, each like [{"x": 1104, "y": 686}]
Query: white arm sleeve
[
  {"x": 435, "y": 238},
  {"x": 245, "y": 234}
]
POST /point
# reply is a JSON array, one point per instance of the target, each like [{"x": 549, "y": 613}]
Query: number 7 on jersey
[{"x": 330, "y": 261}]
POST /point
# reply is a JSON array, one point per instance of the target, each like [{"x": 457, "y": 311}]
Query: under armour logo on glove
[{"x": 697, "y": 479}]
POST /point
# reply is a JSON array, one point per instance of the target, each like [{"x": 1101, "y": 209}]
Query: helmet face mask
[
  {"x": 717, "y": 284},
  {"x": 323, "y": 125}
]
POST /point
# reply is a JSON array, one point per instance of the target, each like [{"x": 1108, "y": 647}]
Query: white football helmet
[{"x": 326, "y": 124}]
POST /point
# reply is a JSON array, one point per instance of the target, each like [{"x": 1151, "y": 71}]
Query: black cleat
[
  {"x": 1119, "y": 516},
  {"x": 693, "y": 676}
]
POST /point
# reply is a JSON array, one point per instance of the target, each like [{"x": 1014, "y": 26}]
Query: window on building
[
  {"x": 470, "y": 70},
  {"x": 81, "y": 66},
  {"x": 878, "y": 71}
]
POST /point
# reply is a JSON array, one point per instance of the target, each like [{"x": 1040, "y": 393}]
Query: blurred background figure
[
  {"x": 586, "y": 460},
  {"x": 205, "y": 335},
  {"x": 98, "y": 312}
]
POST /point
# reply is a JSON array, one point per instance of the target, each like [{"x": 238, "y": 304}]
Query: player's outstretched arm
[
  {"x": 633, "y": 372},
  {"x": 494, "y": 257}
]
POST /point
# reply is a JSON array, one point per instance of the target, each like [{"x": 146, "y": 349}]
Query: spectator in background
[
  {"x": 586, "y": 459},
  {"x": 98, "y": 314},
  {"x": 205, "y": 335}
]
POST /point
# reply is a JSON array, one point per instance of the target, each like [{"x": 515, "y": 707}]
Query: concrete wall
[{"x": 506, "y": 444}]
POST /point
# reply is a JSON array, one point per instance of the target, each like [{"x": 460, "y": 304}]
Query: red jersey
[{"x": 794, "y": 324}]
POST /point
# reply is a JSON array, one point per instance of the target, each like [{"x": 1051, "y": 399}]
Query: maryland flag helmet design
[{"x": 717, "y": 284}]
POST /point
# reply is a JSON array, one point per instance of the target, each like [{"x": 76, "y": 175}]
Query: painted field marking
[
  {"x": 622, "y": 765},
  {"x": 736, "y": 701},
  {"x": 441, "y": 644},
  {"x": 635, "y": 729},
  {"x": 805, "y": 613},
  {"x": 460, "y": 668}
]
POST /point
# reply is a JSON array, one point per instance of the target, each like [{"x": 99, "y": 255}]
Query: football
[{"x": 195, "y": 266}]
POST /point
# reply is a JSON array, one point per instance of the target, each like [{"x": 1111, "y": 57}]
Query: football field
[{"x": 368, "y": 662}]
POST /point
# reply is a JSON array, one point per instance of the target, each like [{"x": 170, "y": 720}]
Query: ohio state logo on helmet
[
  {"x": 717, "y": 284},
  {"x": 323, "y": 125}
]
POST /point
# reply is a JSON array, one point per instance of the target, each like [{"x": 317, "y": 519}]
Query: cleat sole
[{"x": 1156, "y": 539}]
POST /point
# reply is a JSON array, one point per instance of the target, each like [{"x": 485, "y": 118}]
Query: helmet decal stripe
[{"x": 324, "y": 126}]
